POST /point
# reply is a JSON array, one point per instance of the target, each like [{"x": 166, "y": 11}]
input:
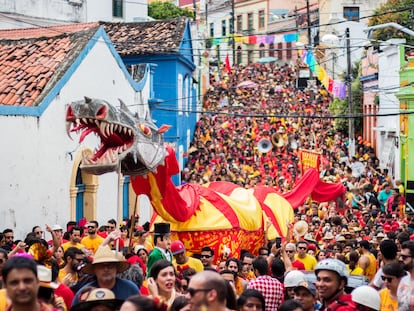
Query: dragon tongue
[{"x": 84, "y": 134}]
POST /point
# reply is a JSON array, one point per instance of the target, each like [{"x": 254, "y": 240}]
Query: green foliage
[
  {"x": 167, "y": 10},
  {"x": 401, "y": 17},
  {"x": 339, "y": 107}
]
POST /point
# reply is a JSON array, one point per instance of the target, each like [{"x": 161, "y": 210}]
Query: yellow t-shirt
[
  {"x": 66, "y": 245},
  {"x": 193, "y": 263},
  {"x": 387, "y": 302},
  {"x": 92, "y": 244},
  {"x": 4, "y": 301},
  {"x": 63, "y": 273},
  {"x": 357, "y": 270},
  {"x": 309, "y": 261}
]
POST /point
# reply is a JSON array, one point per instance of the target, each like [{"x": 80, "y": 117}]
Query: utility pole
[
  {"x": 233, "y": 46},
  {"x": 351, "y": 121},
  {"x": 310, "y": 46},
  {"x": 195, "y": 10}
]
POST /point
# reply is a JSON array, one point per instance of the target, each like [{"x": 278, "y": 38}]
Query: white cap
[{"x": 56, "y": 227}]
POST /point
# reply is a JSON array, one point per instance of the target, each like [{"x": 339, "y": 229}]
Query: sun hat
[
  {"x": 96, "y": 297},
  {"x": 328, "y": 236},
  {"x": 105, "y": 255}
]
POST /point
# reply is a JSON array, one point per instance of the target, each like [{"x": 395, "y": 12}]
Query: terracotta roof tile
[
  {"x": 30, "y": 67},
  {"x": 147, "y": 38},
  {"x": 50, "y": 31}
]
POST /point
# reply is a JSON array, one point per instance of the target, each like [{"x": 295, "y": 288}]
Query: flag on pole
[{"x": 227, "y": 62}]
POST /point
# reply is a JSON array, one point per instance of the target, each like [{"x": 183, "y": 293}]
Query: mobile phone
[{"x": 278, "y": 242}]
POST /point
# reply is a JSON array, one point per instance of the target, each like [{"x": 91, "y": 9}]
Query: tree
[
  {"x": 396, "y": 11},
  {"x": 166, "y": 10}
]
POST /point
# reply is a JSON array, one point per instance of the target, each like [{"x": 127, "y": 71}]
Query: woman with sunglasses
[
  {"x": 391, "y": 276},
  {"x": 161, "y": 282}
]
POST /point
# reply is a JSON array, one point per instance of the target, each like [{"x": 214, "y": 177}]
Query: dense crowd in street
[{"x": 356, "y": 253}]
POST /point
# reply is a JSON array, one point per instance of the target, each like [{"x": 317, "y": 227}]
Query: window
[
  {"x": 231, "y": 26},
  {"x": 180, "y": 94},
  {"x": 351, "y": 13},
  {"x": 261, "y": 19},
  {"x": 223, "y": 28},
  {"x": 250, "y": 56},
  {"x": 117, "y": 8},
  {"x": 272, "y": 49},
  {"x": 239, "y": 19},
  {"x": 289, "y": 50},
  {"x": 79, "y": 195},
  {"x": 250, "y": 21},
  {"x": 239, "y": 55},
  {"x": 280, "y": 50},
  {"x": 261, "y": 50},
  {"x": 211, "y": 30},
  {"x": 125, "y": 197}
]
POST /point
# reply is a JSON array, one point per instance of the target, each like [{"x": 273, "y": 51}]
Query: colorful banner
[
  {"x": 258, "y": 39},
  {"x": 309, "y": 159},
  {"x": 336, "y": 88}
]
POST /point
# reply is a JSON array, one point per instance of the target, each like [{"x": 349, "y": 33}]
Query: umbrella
[
  {"x": 248, "y": 85},
  {"x": 265, "y": 60}
]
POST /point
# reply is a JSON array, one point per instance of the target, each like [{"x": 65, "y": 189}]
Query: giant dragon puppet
[{"x": 222, "y": 215}]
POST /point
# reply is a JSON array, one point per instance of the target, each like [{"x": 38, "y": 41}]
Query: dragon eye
[{"x": 145, "y": 130}]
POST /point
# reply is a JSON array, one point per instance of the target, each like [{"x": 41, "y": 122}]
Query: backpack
[{"x": 372, "y": 199}]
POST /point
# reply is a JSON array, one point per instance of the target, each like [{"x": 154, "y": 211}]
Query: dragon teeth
[
  {"x": 84, "y": 120},
  {"x": 102, "y": 128}
]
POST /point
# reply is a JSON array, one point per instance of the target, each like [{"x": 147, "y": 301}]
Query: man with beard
[
  {"x": 92, "y": 241},
  {"x": 405, "y": 291},
  {"x": 207, "y": 257},
  {"x": 73, "y": 257},
  {"x": 331, "y": 278},
  {"x": 105, "y": 266},
  {"x": 207, "y": 291},
  {"x": 75, "y": 234}
]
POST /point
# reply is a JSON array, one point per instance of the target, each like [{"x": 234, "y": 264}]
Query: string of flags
[
  {"x": 335, "y": 87},
  {"x": 258, "y": 39}
]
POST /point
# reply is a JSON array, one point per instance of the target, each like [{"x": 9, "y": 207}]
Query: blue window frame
[
  {"x": 351, "y": 13},
  {"x": 79, "y": 195}
]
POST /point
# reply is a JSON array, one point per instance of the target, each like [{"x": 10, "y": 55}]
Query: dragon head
[{"x": 134, "y": 144}]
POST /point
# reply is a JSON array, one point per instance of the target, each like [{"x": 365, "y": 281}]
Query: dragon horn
[
  {"x": 88, "y": 99},
  {"x": 163, "y": 128}
]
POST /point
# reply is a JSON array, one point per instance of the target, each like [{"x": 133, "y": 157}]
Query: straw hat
[
  {"x": 300, "y": 228},
  {"x": 341, "y": 238},
  {"x": 96, "y": 297},
  {"x": 105, "y": 255},
  {"x": 308, "y": 237},
  {"x": 328, "y": 236}
]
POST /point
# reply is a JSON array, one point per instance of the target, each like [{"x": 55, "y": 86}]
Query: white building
[
  {"x": 28, "y": 13},
  {"x": 40, "y": 176},
  {"x": 388, "y": 126}
]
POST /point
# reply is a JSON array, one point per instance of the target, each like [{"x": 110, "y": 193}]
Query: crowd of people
[{"x": 355, "y": 253}]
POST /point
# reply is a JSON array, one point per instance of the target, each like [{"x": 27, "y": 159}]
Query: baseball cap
[
  {"x": 177, "y": 247},
  {"x": 307, "y": 285}
]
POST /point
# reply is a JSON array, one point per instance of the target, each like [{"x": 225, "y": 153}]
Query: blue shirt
[{"x": 123, "y": 289}]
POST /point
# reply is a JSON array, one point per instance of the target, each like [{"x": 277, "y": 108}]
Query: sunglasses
[
  {"x": 2, "y": 260},
  {"x": 206, "y": 256},
  {"x": 303, "y": 248},
  {"x": 387, "y": 278},
  {"x": 39, "y": 232},
  {"x": 288, "y": 251},
  {"x": 110, "y": 227},
  {"x": 91, "y": 227},
  {"x": 404, "y": 257},
  {"x": 193, "y": 291}
]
